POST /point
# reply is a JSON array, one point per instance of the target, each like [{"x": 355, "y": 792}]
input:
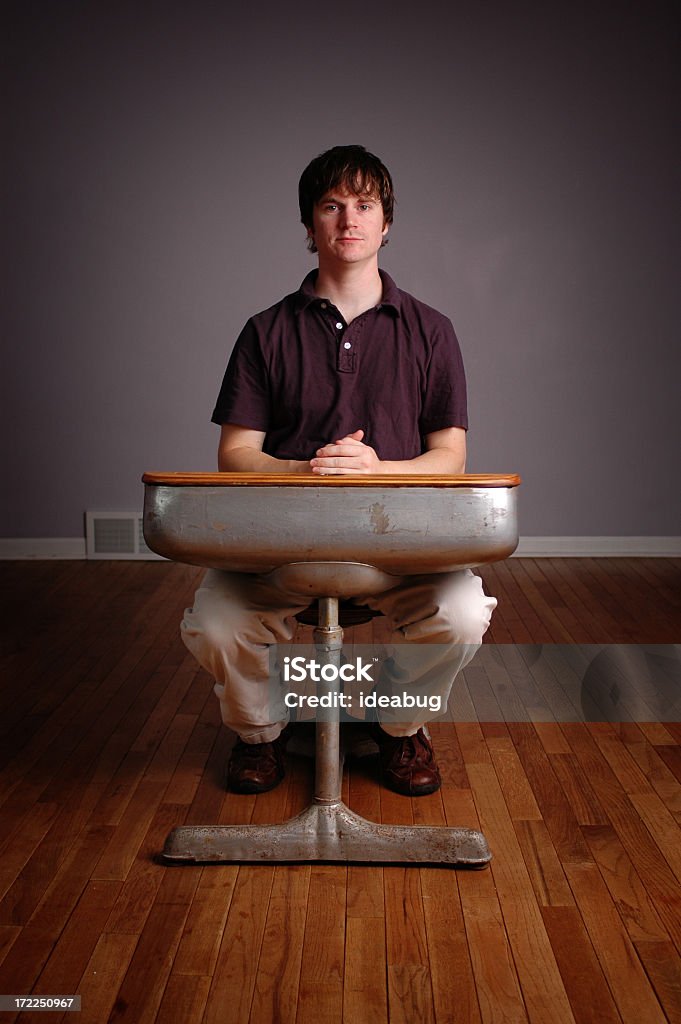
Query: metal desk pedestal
[{"x": 328, "y": 830}]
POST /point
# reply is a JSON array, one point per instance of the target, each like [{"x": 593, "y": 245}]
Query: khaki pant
[{"x": 236, "y": 617}]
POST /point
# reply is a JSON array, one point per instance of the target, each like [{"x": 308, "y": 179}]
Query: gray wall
[{"x": 151, "y": 208}]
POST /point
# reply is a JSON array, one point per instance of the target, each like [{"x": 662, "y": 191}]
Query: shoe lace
[
  {"x": 256, "y": 751},
  {"x": 414, "y": 748}
]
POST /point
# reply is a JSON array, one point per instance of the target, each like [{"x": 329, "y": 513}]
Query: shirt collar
[{"x": 392, "y": 299}]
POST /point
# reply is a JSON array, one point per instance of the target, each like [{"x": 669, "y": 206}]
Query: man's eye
[{"x": 331, "y": 207}]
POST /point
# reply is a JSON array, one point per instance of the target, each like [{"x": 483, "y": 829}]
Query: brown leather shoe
[
  {"x": 408, "y": 762},
  {"x": 256, "y": 767}
]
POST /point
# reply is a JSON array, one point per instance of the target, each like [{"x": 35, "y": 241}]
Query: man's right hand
[{"x": 348, "y": 456}]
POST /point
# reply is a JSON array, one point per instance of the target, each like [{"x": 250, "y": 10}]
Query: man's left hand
[{"x": 346, "y": 456}]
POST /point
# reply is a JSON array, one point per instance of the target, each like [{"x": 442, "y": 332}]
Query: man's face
[{"x": 347, "y": 228}]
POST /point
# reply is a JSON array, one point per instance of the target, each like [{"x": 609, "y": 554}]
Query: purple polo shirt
[{"x": 302, "y": 375}]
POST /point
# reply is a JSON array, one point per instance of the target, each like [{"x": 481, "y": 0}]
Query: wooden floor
[{"x": 111, "y": 736}]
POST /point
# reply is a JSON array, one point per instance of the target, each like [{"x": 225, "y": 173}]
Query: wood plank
[
  {"x": 410, "y": 996},
  {"x": 553, "y": 804},
  {"x": 127, "y": 837},
  {"x": 657, "y": 734},
  {"x": 596, "y": 622},
  {"x": 210, "y": 795},
  {"x": 523, "y": 685},
  {"x": 546, "y": 699},
  {"x": 621, "y": 966},
  {"x": 583, "y": 978},
  {"x": 515, "y": 787},
  {"x": 76, "y": 944},
  {"x": 67, "y": 828},
  {"x": 184, "y": 999},
  {"x": 661, "y": 883},
  {"x": 606, "y": 581},
  {"x": 662, "y": 826},
  {"x": 454, "y": 994},
  {"x": 555, "y": 622},
  {"x": 231, "y": 994},
  {"x": 102, "y": 978},
  {"x": 508, "y": 865},
  {"x": 365, "y": 883},
  {"x": 191, "y": 765},
  {"x": 671, "y": 755},
  {"x": 540, "y": 980},
  {"x": 484, "y": 701},
  {"x": 663, "y": 967},
  {"x": 54, "y": 902},
  {"x": 540, "y": 983},
  {"x": 543, "y": 865},
  {"x": 552, "y": 738},
  {"x": 659, "y": 615},
  {"x": 620, "y": 757},
  {"x": 522, "y": 606},
  {"x": 277, "y": 982},
  {"x": 141, "y": 991},
  {"x": 139, "y": 891},
  {"x": 8, "y": 936},
  {"x": 625, "y": 885},
  {"x": 324, "y": 946},
  {"x": 575, "y": 785},
  {"x": 364, "y": 981},
  {"x": 472, "y": 743},
  {"x": 498, "y": 988},
  {"x": 21, "y": 842},
  {"x": 406, "y": 941},
  {"x": 200, "y": 943}
]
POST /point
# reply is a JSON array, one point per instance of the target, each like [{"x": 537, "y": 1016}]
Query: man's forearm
[
  {"x": 252, "y": 460},
  {"x": 435, "y": 460}
]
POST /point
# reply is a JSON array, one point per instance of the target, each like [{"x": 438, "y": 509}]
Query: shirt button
[
  {"x": 347, "y": 344},
  {"x": 323, "y": 305},
  {"x": 339, "y": 325}
]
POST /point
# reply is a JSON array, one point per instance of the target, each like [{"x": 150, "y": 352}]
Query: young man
[{"x": 348, "y": 375}]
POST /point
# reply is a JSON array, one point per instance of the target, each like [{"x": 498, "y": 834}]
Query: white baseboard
[
  {"x": 15, "y": 548},
  {"x": 599, "y": 547},
  {"x": 42, "y": 547}
]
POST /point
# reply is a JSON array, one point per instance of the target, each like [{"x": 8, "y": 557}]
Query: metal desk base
[{"x": 328, "y": 830}]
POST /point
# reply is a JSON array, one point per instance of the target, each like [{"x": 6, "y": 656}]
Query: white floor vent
[{"x": 113, "y": 535}]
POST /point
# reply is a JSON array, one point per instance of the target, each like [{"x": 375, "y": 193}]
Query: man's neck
[{"x": 352, "y": 288}]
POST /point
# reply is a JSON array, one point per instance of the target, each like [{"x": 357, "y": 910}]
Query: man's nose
[{"x": 348, "y": 217}]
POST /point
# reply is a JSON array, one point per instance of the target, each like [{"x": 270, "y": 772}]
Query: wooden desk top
[{"x": 313, "y": 480}]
